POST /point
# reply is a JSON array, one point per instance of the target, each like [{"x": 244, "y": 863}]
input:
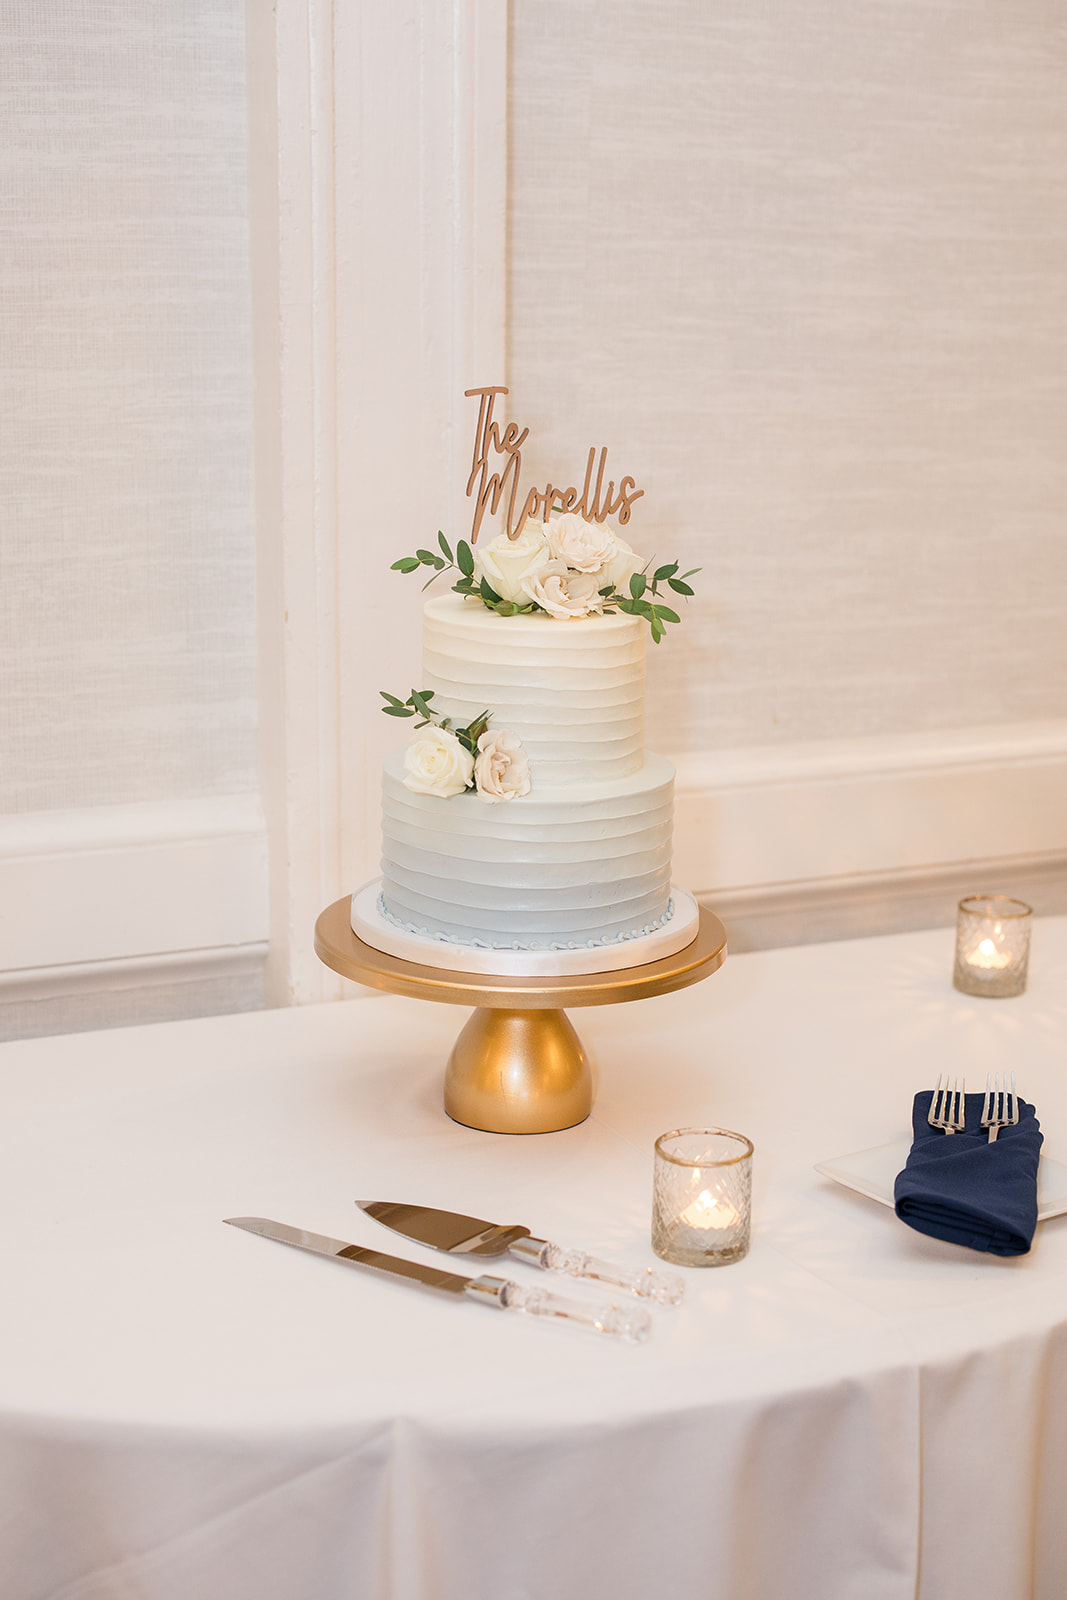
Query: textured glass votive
[
  {"x": 702, "y": 1197},
  {"x": 992, "y": 946}
]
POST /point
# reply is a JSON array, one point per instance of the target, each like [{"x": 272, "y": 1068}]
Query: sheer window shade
[
  {"x": 127, "y": 636},
  {"x": 127, "y": 624}
]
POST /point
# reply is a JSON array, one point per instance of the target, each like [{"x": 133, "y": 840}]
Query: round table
[{"x": 852, "y": 1411}]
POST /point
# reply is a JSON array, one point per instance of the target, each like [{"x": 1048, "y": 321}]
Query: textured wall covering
[
  {"x": 126, "y": 606},
  {"x": 804, "y": 269}
]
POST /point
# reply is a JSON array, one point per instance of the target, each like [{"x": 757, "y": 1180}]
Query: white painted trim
[
  {"x": 133, "y": 972},
  {"x": 767, "y": 916},
  {"x": 378, "y": 203},
  {"x": 834, "y": 810},
  {"x": 999, "y": 744},
  {"x": 125, "y": 882}
]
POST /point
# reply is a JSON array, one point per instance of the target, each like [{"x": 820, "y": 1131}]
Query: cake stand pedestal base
[
  {"x": 518, "y": 1066},
  {"x": 518, "y": 1072}
]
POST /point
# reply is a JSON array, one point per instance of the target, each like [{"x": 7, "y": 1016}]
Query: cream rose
[
  {"x": 584, "y": 546},
  {"x": 621, "y": 568},
  {"x": 436, "y": 763},
  {"x": 504, "y": 563},
  {"x": 502, "y": 768},
  {"x": 563, "y": 593}
]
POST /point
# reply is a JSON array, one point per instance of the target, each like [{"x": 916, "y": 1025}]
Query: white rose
[
  {"x": 436, "y": 763},
  {"x": 504, "y": 562},
  {"x": 563, "y": 593},
  {"x": 502, "y": 769},
  {"x": 585, "y": 546},
  {"x": 622, "y": 567}
]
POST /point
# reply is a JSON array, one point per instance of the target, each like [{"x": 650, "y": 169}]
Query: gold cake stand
[{"x": 518, "y": 1066}]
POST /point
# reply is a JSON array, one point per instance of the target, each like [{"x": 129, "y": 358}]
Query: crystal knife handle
[
  {"x": 630, "y": 1323},
  {"x": 665, "y": 1288}
]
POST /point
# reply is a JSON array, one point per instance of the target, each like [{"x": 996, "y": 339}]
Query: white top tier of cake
[{"x": 573, "y": 691}]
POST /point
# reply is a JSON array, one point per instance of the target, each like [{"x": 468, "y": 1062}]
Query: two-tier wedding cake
[{"x": 526, "y": 830}]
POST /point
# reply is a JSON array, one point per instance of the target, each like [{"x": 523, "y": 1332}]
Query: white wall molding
[
  {"x": 174, "y": 881},
  {"x": 767, "y": 916},
  {"x": 133, "y": 972},
  {"x": 856, "y": 822},
  {"x": 378, "y": 204}
]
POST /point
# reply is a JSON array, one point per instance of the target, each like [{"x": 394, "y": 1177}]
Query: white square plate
[{"x": 874, "y": 1172}]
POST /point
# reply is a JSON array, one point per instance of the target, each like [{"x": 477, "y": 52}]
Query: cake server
[
  {"x": 631, "y": 1324},
  {"x": 470, "y": 1236}
]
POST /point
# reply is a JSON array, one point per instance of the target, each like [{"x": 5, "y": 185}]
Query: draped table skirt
[{"x": 854, "y": 1412}]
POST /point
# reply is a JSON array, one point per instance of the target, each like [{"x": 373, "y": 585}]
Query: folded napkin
[{"x": 961, "y": 1188}]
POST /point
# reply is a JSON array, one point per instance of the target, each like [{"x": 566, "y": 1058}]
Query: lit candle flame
[
  {"x": 988, "y": 956},
  {"x": 710, "y": 1211}
]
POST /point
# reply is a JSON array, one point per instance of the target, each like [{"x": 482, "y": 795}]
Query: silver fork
[
  {"x": 1000, "y": 1108},
  {"x": 948, "y": 1107}
]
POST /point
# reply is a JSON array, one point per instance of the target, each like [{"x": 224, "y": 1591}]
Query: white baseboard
[
  {"x": 795, "y": 843},
  {"x": 150, "y": 888},
  {"x": 769, "y": 916},
  {"x": 794, "y": 814}
]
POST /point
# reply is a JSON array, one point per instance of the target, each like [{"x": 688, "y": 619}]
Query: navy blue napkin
[{"x": 961, "y": 1188}]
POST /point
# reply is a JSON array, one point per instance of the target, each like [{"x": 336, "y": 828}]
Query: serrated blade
[
  {"x": 320, "y": 1244},
  {"x": 444, "y": 1230}
]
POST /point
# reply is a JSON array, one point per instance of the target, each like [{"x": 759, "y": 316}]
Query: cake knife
[
  {"x": 634, "y": 1324},
  {"x": 470, "y": 1236}
]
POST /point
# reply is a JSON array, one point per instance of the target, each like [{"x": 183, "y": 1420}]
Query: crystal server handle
[
  {"x": 630, "y": 1323},
  {"x": 665, "y": 1288}
]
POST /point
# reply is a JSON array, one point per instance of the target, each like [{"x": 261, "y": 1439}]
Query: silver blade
[
  {"x": 319, "y": 1244},
  {"x": 444, "y": 1230}
]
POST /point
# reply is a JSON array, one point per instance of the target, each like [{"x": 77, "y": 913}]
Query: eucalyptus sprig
[
  {"x": 468, "y": 585},
  {"x": 418, "y": 705},
  {"x": 634, "y": 602},
  {"x": 636, "y": 605}
]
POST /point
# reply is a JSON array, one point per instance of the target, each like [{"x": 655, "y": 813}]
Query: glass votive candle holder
[
  {"x": 992, "y": 946},
  {"x": 702, "y": 1197}
]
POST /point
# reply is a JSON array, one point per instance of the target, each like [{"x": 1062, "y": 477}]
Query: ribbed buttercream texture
[
  {"x": 574, "y": 692},
  {"x": 585, "y": 857},
  {"x": 588, "y": 865}
]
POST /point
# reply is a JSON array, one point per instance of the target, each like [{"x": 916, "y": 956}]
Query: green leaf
[
  {"x": 692, "y": 572},
  {"x": 405, "y": 564},
  {"x": 465, "y": 558},
  {"x": 629, "y": 606},
  {"x": 489, "y": 595},
  {"x": 443, "y": 542},
  {"x": 427, "y": 557},
  {"x": 657, "y": 631},
  {"x": 476, "y": 729},
  {"x": 665, "y": 614},
  {"x": 603, "y": 593},
  {"x": 392, "y": 698},
  {"x": 638, "y": 585},
  {"x": 420, "y": 699},
  {"x": 398, "y": 711},
  {"x": 679, "y": 587},
  {"x": 661, "y": 574}
]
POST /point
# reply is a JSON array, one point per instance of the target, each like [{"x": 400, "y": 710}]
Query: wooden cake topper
[{"x": 489, "y": 487}]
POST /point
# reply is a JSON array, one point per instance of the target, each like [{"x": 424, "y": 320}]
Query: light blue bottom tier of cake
[{"x": 567, "y": 869}]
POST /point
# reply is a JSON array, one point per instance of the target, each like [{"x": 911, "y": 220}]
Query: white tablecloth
[{"x": 855, "y": 1412}]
